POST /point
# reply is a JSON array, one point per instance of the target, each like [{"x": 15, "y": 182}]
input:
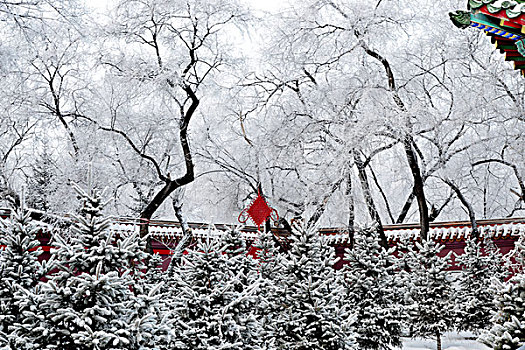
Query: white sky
[{"x": 264, "y": 5}]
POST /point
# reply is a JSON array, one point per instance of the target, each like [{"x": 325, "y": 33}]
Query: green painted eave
[
  {"x": 489, "y": 21},
  {"x": 515, "y": 59}
]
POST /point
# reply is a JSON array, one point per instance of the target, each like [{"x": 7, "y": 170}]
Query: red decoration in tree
[{"x": 259, "y": 211}]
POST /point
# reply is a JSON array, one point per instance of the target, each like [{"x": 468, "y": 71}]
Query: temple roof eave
[
  {"x": 503, "y": 21},
  {"x": 512, "y": 8}
]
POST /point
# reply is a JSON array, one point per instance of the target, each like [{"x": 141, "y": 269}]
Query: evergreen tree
[
  {"x": 242, "y": 271},
  {"x": 270, "y": 291},
  {"x": 85, "y": 312},
  {"x": 41, "y": 185},
  {"x": 309, "y": 310},
  {"x": 375, "y": 291},
  {"x": 153, "y": 274},
  {"x": 212, "y": 301},
  {"x": 508, "y": 328},
  {"x": 150, "y": 325},
  {"x": 89, "y": 303},
  {"x": 4, "y": 342},
  {"x": 90, "y": 243},
  {"x": 430, "y": 292},
  {"x": 481, "y": 265},
  {"x": 269, "y": 257},
  {"x": 19, "y": 265}
]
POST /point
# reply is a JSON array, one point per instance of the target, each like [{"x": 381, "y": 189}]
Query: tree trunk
[
  {"x": 172, "y": 185},
  {"x": 321, "y": 207},
  {"x": 187, "y": 234},
  {"x": 418, "y": 186},
  {"x": 406, "y": 207},
  {"x": 371, "y": 206},
  {"x": 351, "y": 212},
  {"x": 438, "y": 340},
  {"x": 407, "y": 141},
  {"x": 160, "y": 197},
  {"x": 467, "y": 205},
  {"x": 280, "y": 240},
  {"x": 58, "y": 112}
]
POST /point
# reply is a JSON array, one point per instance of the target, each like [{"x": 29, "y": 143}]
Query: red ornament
[{"x": 259, "y": 211}]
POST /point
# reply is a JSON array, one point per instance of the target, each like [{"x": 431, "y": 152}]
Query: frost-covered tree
[
  {"x": 268, "y": 255},
  {"x": 242, "y": 271},
  {"x": 90, "y": 302},
  {"x": 19, "y": 265},
  {"x": 212, "y": 305},
  {"x": 430, "y": 292},
  {"x": 41, "y": 184},
  {"x": 481, "y": 265},
  {"x": 181, "y": 52},
  {"x": 375, "y": 291},
  {"x": 270, "y": 291},
  {"x": 90, "y": 243},
  {"x": 309, "y": 312},
  {"x": 149, "y": 323},
  {"x": 508, "y": 329},
  {"x": 87, "y": 312}
]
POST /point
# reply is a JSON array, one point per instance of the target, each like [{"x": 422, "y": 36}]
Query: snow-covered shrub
[{"x": 270, "y": 261}]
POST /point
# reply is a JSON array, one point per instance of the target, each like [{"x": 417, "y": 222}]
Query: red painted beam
[
  {"x": 510, "y": 24},
  {"x": 513, "y": 53},
  {"x": 500, "y": 41}
]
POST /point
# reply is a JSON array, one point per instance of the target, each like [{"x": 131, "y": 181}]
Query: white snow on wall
[{"x": 172, "y": 231}]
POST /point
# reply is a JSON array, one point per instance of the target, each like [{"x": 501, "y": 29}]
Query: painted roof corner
[{"x": 461, "y": 19}]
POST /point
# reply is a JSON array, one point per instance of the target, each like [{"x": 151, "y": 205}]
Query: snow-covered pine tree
[
  {"x": 242, "y": 271},
  {"x": 309, "y": 311},
  {"x": 481, "y": 265},
  {"x": 430, "y": 291},
  {"x": 154, "y": 273},
  {"x": 90, "y": 242},
  {"x": 149, "y": 323},
  {"x": 86, "y": 312},
  {"x": 211, "y": 300},
  {"x": 269, "y": 256},
  {"x": 89, "y": 303},
  {"x": 4, "y": 342},
  {"x": 508, "y": 328},
  {"x": 239, "y": 264},
  {"x": 19, "y": 265},
  {"x": 233, "y": 242},
  {"x": 270, "y": 287},
  {"x": 41, "y": 184},
  {"x": 375, "y": 291}
]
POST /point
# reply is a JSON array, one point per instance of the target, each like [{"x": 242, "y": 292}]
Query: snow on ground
[{"x": 450, "y": 341}]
